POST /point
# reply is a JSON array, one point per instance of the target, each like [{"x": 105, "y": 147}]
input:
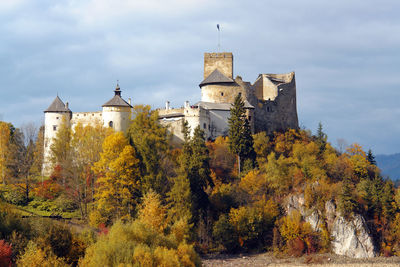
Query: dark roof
[
  {"x": 172, "y": 115},
  {"x": 216, "y": 77},
  {"x": 116, "y": 101},
  {"x": 57, "y": 106},
  {"x": 221, "y": 106}
]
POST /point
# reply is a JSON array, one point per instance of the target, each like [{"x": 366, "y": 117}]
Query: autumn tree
[
  {"x": 118, "y": 177},
  {"x": 36, "y": 168},
  {"x": 86, "y": 145},
  {"x": 24, "y": 159},
  {"x": 60, "y": 149},
  {"x": 5, "y": 133},
  {"x": 150, "y": 141},
  {"x": 240, "y": 138}
]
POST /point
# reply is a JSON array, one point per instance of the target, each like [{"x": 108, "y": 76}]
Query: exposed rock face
[{"x": 352, "y": 238}]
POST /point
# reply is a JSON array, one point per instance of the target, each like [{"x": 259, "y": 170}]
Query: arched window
[{"x": 110, "y": 124}]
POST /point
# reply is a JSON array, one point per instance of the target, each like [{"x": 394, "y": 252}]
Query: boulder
[{"x": 351, "y": 238}]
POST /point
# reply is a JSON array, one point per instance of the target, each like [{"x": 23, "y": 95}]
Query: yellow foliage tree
[
  {"x": 152, "y": 212},
  {"x": 119, "y": 177},
  {"x": 37, "y": 257},
  {"x": 4, "y": 149}
]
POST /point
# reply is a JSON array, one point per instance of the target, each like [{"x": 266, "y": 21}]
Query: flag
[{"x": 218, "y": 26}]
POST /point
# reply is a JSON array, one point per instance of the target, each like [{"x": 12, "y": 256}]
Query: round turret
[
  {"x": 117, "y": 112},
  {"x": 54, "y": 116}
]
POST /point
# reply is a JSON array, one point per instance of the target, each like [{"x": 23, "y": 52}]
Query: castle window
[
  {"x": 54, "y": 127},
  {"x": 204, "y": 126},
  {"x": 57, "y": 118},
  {"x": 249, "y": 118},
  {"x": 92, "y": 114},
  {"x": 222, "y": 93},
  {"x": 240, "y": 94},
  {"x": 110, "y": 124}
]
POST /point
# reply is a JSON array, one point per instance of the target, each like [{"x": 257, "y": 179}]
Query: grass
[{"x": 33, "y": 212}]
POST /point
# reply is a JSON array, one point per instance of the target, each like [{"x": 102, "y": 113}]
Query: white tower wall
[
  {"x": 117, "y": 117},
  {"x": 52, "y": 123}
]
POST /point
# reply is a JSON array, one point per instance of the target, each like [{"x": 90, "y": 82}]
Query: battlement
[{"x": 221, "y": 61}]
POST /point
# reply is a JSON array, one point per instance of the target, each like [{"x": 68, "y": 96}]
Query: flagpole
[{"x": 219, "y": 44}]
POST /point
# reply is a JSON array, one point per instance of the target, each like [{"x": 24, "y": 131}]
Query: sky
[{"x": 345, "y": 54}]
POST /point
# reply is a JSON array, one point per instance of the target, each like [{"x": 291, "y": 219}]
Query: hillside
[{"x": 390, "y": 165}]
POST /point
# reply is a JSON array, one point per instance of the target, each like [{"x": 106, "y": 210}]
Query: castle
[
  {"x": 116, "y": 113},
  {"x": 270, "y": 104}
]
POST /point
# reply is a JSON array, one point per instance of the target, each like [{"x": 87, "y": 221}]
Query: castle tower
[
  {"x": 117, "y": 112},
  {"x": 54, "y": 116},
  {"x": 221, "y": 61}
]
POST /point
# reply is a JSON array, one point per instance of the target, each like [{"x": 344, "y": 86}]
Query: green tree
[
  {"x": 195, "y": 172},
  {"x": 347, "y": 203},
  {"x": 240, "y": 138},
  {"x": 150, "y": 141},
  {"x": 321, "y": 138},
  {"x": 371, "y": 157}
]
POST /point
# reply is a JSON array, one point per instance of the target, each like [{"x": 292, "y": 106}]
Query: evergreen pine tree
[
  {"x": 371, "y": 157},
  {"x": 195, "y": 167},
  {"x": 347, "y": 203},
  {"x": 321, "y": 138},
  {"x": 240, "y": 138}
]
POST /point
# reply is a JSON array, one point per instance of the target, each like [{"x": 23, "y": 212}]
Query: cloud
[{"x": 344, "y": 54}]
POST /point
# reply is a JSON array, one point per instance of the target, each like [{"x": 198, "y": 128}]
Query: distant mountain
[{"x": 390, "y": 165}]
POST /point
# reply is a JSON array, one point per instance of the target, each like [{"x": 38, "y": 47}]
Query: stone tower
[
  {"x": 117, "y": 112},
  {"x": 221, "y": 61},
  {"x": 54, "y": 116}
]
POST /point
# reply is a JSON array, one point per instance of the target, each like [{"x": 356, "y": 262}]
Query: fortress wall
[
  {"x": 86, "y": 118},
  {"x": 265, "y": 89},
  {"x": 174, "y": 119},
  {"x": 278, "y": 114},
  {"x": 219, "y": 123},
  {"x": 221, "y": 61}
]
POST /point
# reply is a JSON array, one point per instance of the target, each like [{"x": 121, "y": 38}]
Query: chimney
[
  {"x": 186, "y": 105},
  {"x": 66, "y": 105},
  {"x": 167, "y": 105},
  {"x": 129, "y": 101}
]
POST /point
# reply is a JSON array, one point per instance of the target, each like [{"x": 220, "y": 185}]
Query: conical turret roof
[
  {"x": 57, "y": 106},
  {"x": 216, "y": 77},
  {"x": 117, "y": 100}
]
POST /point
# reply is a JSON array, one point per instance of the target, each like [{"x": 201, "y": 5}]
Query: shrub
[
  {"x": 298, "y": 235},
  {"x": 224, "y": 234},
  {"x": 136, "y": 243},
  {"x": 65, "y": 204},
  {"x": 5, "y": 254},
  {"x": 34, "y": 256},
  {"x": 13, "y": 195}
]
